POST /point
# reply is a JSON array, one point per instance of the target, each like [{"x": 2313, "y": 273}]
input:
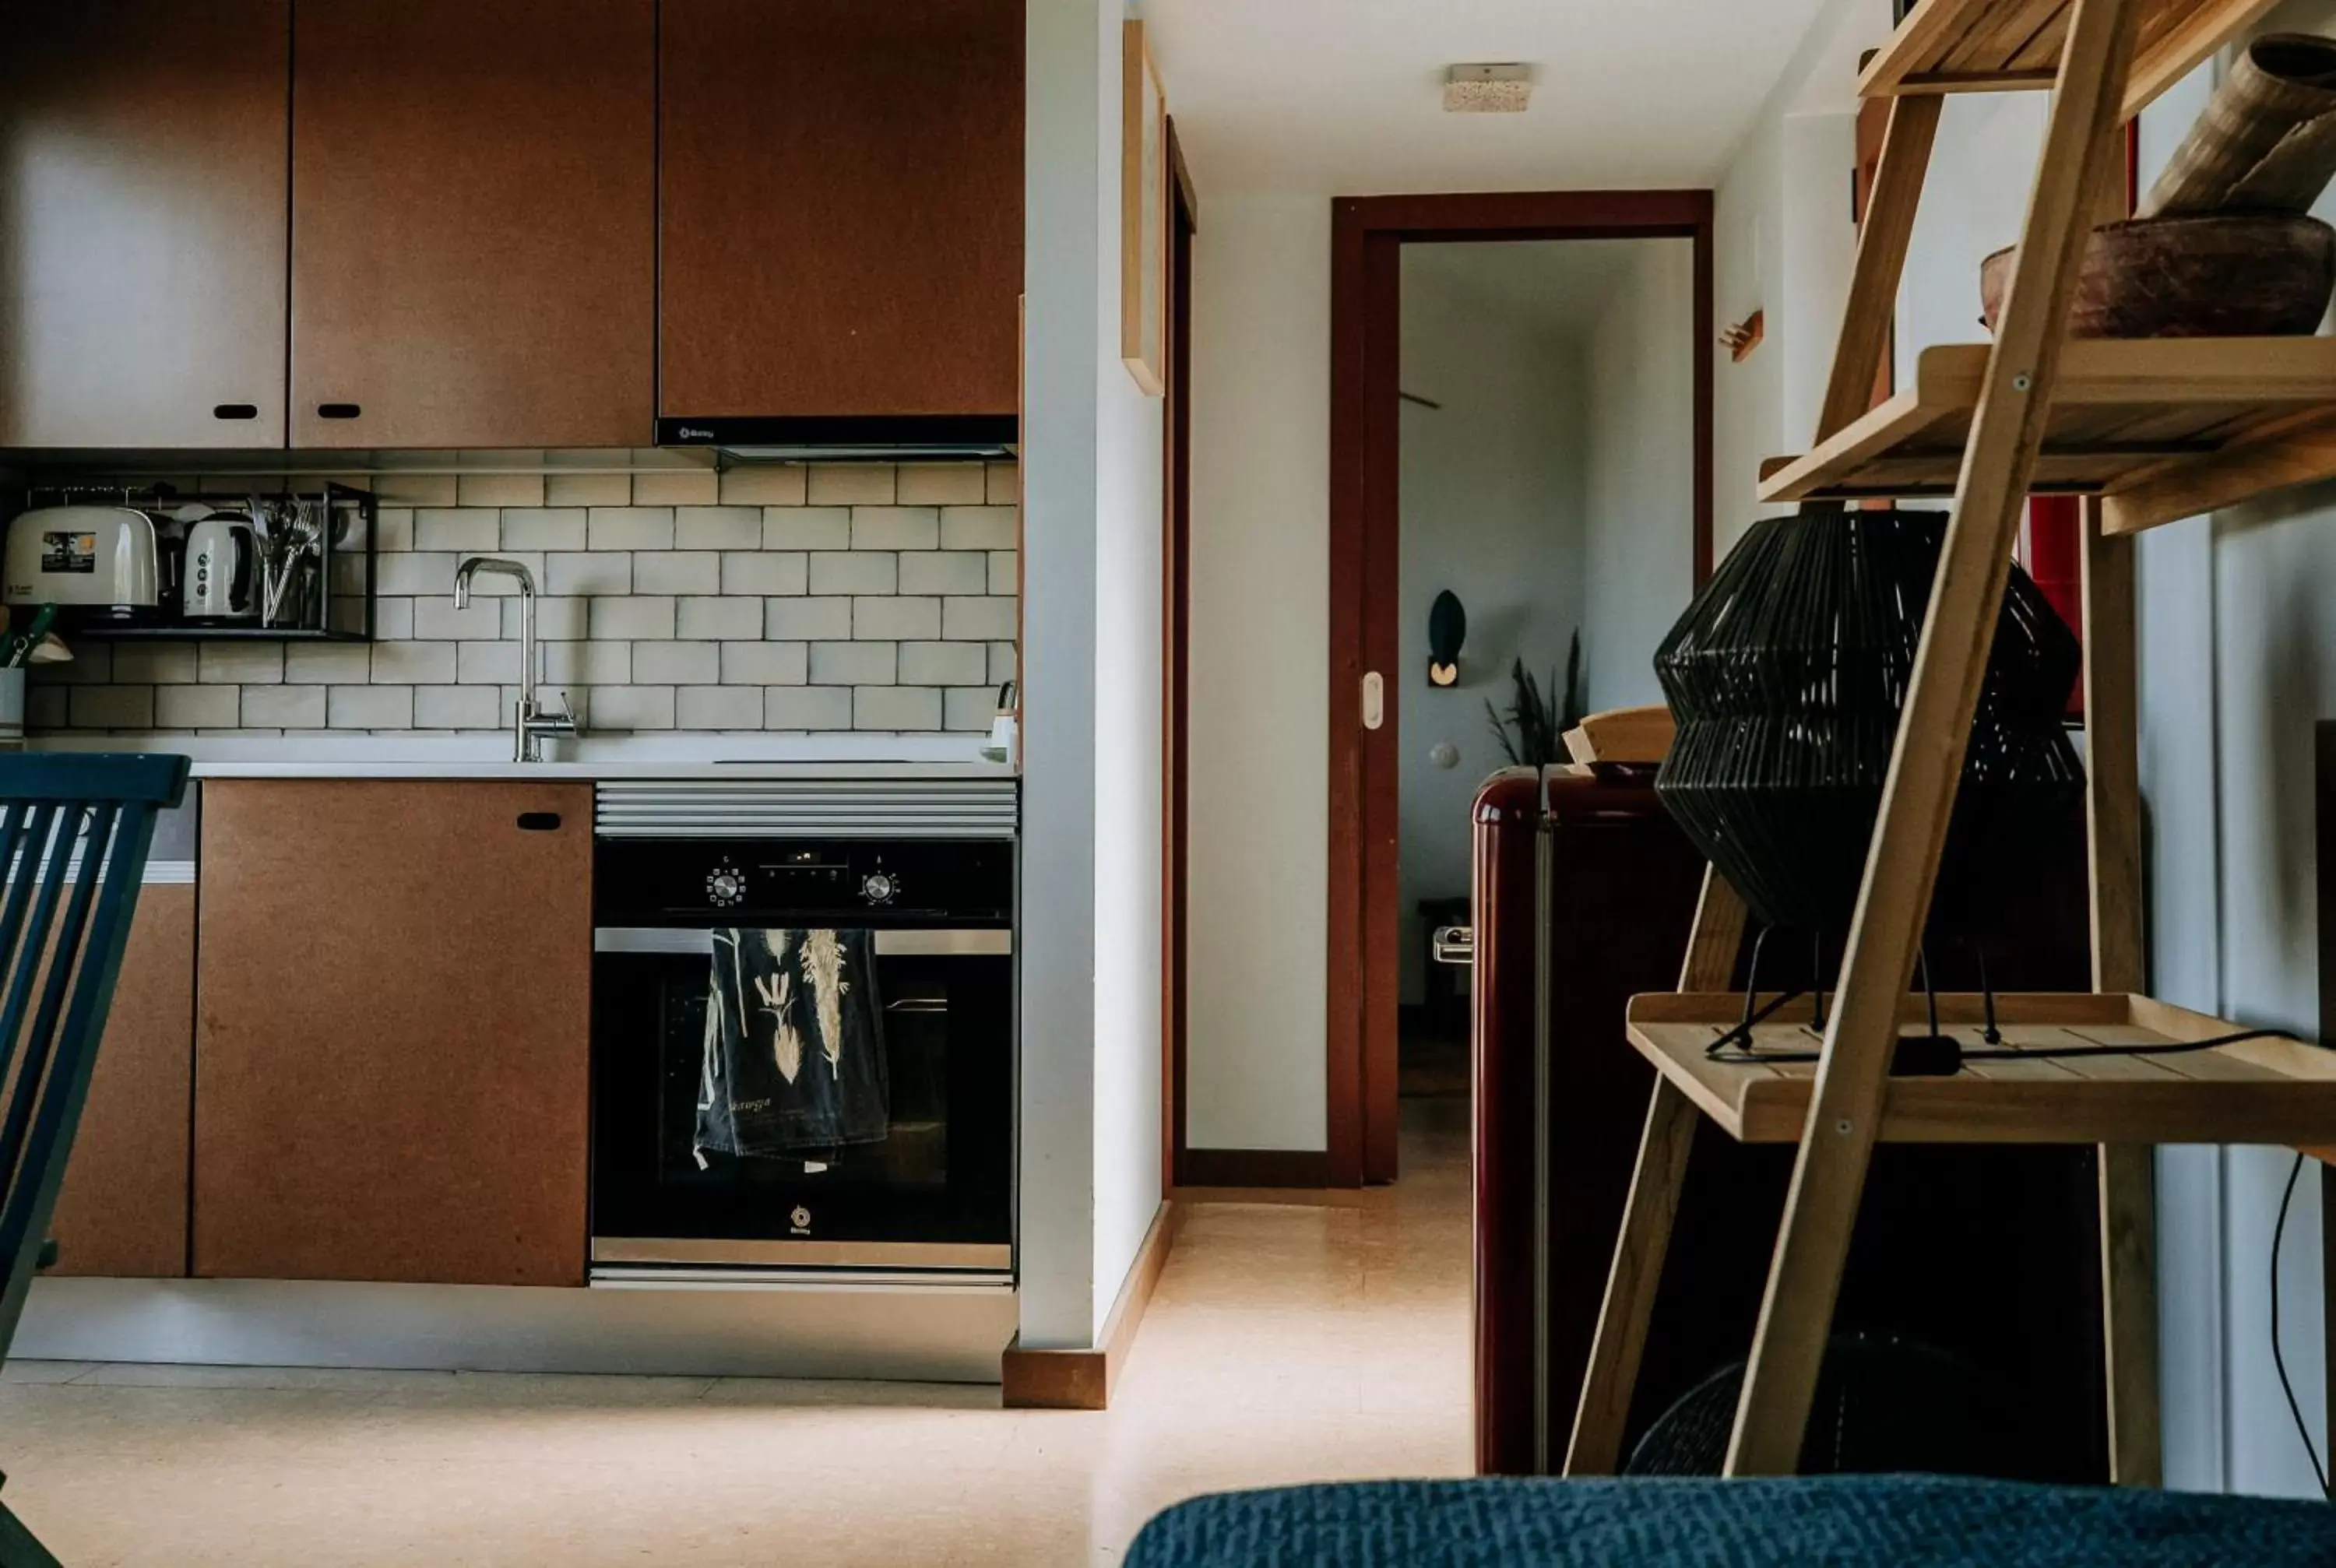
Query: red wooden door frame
[{"x": 1368, "y": 234}]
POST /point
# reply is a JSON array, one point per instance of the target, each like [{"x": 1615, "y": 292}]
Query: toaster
[{"x": 96, "y": 558}]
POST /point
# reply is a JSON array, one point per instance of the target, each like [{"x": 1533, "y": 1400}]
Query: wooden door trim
[{"x": 1367, "y": 236}]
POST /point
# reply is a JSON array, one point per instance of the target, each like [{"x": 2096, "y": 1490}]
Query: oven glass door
[{"x": 938, "y": 1168}]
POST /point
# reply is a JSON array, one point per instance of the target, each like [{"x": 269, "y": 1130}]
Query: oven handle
[{"x": 685, "y": 941}]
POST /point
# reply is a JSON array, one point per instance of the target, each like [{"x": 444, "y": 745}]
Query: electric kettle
[{"x": 220, "y": 579}]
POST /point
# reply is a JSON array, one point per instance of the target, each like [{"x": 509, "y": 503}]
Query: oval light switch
[{"x": 1374, "y": 700}]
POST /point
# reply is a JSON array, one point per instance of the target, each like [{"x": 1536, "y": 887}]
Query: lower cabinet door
[
  {"x": 392, "y": 1056},
  {"x": 123, "y": 1210}
]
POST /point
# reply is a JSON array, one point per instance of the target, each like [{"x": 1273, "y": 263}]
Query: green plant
[{"x": 1532, "y": 734}]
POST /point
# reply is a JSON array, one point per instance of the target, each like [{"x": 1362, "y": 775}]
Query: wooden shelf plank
[
  {"x": 2164, "y": 427},
  {"x": 2014, "y": 45},
  {"x": 2268, "y": 1091}
]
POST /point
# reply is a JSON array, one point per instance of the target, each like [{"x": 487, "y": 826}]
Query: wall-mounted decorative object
[
  {"x": 1447, "y": 629},
  {"x": 1744, "y": 336},
  {"x": 1787, "y": 676},
  {"x": 1143, "y": 215}
]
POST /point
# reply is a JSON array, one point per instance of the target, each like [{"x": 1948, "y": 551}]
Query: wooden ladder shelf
[{"x": 2146, "y": 432}]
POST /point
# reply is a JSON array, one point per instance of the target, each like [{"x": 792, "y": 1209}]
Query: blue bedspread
[{"x": 1831, "y": 1522}]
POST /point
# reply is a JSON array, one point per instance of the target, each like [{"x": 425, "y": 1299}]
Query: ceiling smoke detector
[{"x": 1487, "y": 89}]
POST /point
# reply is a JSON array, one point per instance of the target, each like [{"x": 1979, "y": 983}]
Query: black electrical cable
[
  {"x": 2045, "y": 1053},
  {"x": 2278, "y": 1360}
]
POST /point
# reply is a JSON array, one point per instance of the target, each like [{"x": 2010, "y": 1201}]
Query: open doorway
[{"x": 1521, "y": 413}]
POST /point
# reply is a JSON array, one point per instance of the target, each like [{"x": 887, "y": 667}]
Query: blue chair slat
[{"x": 74, "y": 834}]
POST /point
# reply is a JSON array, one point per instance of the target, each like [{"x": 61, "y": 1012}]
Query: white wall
[
  {"x": 1260, "y": 634},
  {"x": 1492, "y": 496},
  {"x": 1090, "y": 1164},
  {"x": 1639, "y": 536}
]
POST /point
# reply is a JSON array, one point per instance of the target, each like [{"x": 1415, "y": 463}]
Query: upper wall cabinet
[
  {"x": 841, "y": 207},
  {"x": 142, "y": 222},
  {"x": 473, "y": 209}
]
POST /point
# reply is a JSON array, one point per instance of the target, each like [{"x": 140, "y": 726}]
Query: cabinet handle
[
  {"x": 539, "y": 822},
  {"x": 236, "y": 411},
  {"x": 338, "y": 411}
]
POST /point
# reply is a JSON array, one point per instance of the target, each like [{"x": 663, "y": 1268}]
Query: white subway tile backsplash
[
  {"x": 544, "y": 528},
  {"x": 943, "y": 663},
  {"x": 241, "y": 663},
  {"x": 197, "y": 707},
  {"x": 764, "y": 663},
  {"x": 717, "y": 528},
  {"x": 851, "y": 484},
  {"x": 717, "y": 619},
  {"x": 807, "y": 619},
  {"x": 639, "y": 615},
  {"x": 458, "y": 708},
  {"x": 597, "y": 572},
  {"x": 155, "y": 663},
  {"x": 490, "y": 489},
  {"x": 328, "y": 663},
  {"x": 896, "y": 527},
  {"x": 676, "y": 571},
  {"x": 980, "y": 528},
  {"x": 896, "y": 707},
  {"x": 629, "y": 528},
  {"x": 677, "y": 664},
  {"x": 942, "y": 485},
  {"x": 112, "y": 708},
  {"x": 369, "y": 708},
  {"x": 986, "y": 620},
  {"x": 718, "y": 707},
  {"x": 854, "y": 572},
  {"x": 463, "y": 531},
  {"x": 944, "y": 571},
  {"x": 809, "y": 708},
  {"x": 694, "y": 487},
  {"x": 968, "y": 707},
  {"x": 488, "y": 663},
  {"x": 855, "y": 663},
  {"x": 629, "y": 708},
  {"x": 895, "y": 619},
  {"x": 772, "y": 484},
  {"x": 588, "y": 490},
  {"x": 283, "y": 708},
  {"x": 764, "y": 571},
  {"x": 785, "y": 598},
  {"x": 413, "y": 664},
  {"x": 807, "y": 528}
]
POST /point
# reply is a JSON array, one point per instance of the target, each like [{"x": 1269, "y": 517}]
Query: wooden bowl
[{"x": 2215, "y": 275}]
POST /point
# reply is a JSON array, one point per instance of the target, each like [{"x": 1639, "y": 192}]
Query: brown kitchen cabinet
[
  {"x": 142, "y": 191},
  {"x": 473, "y": 213},
  {"x": 841, "y": 207},
  {"x": 123, "y": 1209},
  {"x": 391, "y": 1054}
]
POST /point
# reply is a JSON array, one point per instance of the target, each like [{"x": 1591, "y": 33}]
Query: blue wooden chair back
[{"x": 74, "y": 832}]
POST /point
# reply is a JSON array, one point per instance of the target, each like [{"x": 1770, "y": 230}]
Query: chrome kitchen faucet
[{"x": 529, "y": 724}]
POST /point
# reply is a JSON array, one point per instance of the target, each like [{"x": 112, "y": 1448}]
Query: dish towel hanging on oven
[{"x": 794, "y": 1045}]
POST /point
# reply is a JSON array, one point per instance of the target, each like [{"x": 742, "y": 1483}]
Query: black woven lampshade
[{"x": 1785, "y": 678}]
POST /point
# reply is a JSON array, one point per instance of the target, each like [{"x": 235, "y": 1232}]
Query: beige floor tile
[{"x": 1288, "y": 1343}]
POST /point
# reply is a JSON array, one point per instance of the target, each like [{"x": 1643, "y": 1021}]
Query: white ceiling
[
  {"x": 1345, "y": 97},
  {"x": 1558, "y": 288}
]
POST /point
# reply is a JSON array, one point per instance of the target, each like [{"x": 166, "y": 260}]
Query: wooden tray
[{"x": 2266, "y": 1091}]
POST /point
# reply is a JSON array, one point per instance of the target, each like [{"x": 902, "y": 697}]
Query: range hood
[{"x": 878, "y": 438}]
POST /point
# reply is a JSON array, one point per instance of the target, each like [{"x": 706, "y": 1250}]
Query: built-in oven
[{"x": 802, "y": 1054}]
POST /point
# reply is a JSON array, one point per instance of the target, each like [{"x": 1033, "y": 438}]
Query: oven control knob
[
  {"x": 725, "y": 886},
  {"x": 878, "y": 888}
]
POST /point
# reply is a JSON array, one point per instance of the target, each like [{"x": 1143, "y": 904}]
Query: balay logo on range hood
[{"x": 876, "y": 438}]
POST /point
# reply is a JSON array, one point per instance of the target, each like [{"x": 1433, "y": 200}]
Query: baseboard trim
[
  {"x": 1083, "y": 1379},
  {"x": 1255, "y": 1168}
]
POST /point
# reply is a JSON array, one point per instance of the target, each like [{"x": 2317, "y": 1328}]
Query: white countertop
[{"x": 488, "y": 756}]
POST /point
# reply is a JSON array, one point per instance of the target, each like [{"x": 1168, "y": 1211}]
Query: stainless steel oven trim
[
  {"x": 689, "y": 941},
  {"x": 859, "y": 808},
  {"x": 821, "y": 1281},
  {"x": 717, "y": 1252}
]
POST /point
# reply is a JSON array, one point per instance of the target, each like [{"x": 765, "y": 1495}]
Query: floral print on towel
[{"x": 794, "y": 1055}]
